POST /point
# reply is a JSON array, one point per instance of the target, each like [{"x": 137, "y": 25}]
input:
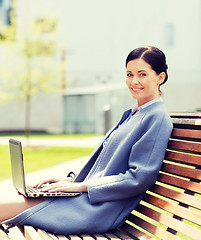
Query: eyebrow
[
  {"x": 138, "y": 71},
  {"x": 142, "y": 71}
]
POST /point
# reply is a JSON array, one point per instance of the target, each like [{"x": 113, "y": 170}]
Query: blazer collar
[{"x": 125, "y": 116}]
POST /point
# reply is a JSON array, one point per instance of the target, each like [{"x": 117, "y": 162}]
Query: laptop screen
[{"x": 17, "y": 165}]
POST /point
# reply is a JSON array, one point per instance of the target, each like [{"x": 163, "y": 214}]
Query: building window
[{"x": 169, "y": 34}]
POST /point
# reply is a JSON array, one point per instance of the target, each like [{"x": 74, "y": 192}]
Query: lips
[{"x": 136, "y": 89}]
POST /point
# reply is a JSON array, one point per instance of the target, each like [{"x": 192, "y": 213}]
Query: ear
[{"x": 161, "y": 78}]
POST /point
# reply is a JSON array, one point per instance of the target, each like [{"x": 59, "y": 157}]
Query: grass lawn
[{"x": 39, "y": 158}]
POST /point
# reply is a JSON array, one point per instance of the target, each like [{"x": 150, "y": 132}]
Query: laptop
[{"x": 18, "y": 175}]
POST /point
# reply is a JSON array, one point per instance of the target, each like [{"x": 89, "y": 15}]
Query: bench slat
[
  {"x": 44, "y": 235},
  {"x": 192, "y": 147},
  {"x": 151, "y": 228},
  {"x": 86, "y": 237},
  {"x": 185, "y": 213},
  {"x": 121, "y": 234},
  {"x": 61, "y": 237},
  {"x": 52, "y": 236},
  {"x": 178, "y": 182},
  {"x": 186, "y": 133},
  {"x": 185, "y": 114},
  {"x": 111, "y": 236},
  {"x": 181, "y": 171},
  {"x": 99, "y": 237},
  {"x": 192, "y": 122},
  {"x": 178, "y": 196},
  {"x": 136, "y": 233},
  {"x": 31, "y": 234},
  {"x": 3, "y": 235},
  {"x": 169, "y": 221},
  {"x": 183, "y": 157},
  {"x": 74, "y": 237},
  {"x": 15, "y": 233}
]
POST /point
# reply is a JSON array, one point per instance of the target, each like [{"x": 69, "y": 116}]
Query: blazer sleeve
[{"x": 144, "y": 163}]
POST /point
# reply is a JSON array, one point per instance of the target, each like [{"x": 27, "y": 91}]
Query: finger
[
  {"x": 58, "y": 189},
  {"x": 62, "y": 189},
  {"x": 60, "y": 186},
  {"x": 51, "y": 187},
  {"x": 42, "y": 182},
  {"x": 39, "y": 184}
]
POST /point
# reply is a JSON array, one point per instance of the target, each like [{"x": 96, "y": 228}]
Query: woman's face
[{"x": 142, "y": 81}]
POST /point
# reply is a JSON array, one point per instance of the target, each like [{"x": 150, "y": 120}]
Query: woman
[{"x": 122, "y": 167}]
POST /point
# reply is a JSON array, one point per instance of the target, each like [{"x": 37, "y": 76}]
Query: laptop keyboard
[
  {"x": 36, "y": 192},
  {"x": 30, "y": 189}
]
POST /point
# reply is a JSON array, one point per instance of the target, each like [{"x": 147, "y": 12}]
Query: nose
[{"x": 135, "y": 81}]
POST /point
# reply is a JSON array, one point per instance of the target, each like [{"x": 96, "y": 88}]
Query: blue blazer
[{"x": 117, "y": 174}]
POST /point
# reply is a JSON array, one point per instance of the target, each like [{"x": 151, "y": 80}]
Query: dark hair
[{"x": 153, "y": 56}]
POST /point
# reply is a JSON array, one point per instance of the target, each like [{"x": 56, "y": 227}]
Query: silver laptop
[{"x": 18, "y": 176}]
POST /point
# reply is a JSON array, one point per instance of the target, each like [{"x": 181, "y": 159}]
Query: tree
[{"x": 38, "y": 68}]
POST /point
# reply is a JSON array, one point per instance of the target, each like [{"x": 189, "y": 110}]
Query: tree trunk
[{"x": 28, "y": 99}]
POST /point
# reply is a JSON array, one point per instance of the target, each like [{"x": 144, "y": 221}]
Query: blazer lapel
[{"x": 123, "y": 118}]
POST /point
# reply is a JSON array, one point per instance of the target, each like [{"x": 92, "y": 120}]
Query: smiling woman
[{"x": 119, "y": 171}]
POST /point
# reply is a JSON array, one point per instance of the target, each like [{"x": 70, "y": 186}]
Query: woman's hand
[
  {"x": 51, "y": 181},
  {"x": 66, "y": 186}
]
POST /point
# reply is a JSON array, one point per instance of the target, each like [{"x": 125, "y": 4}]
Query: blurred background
[{"x": 62, "y": 63}]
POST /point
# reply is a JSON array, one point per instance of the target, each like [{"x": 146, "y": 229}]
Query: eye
[
  {"x": 129, "y": 75},
  {"x": 143, "y": 74}
]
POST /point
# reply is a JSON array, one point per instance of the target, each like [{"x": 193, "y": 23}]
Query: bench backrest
[{"x": 171, "y": 209}]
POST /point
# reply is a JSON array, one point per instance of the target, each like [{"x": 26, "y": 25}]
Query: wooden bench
[{"x": 171, "y": 209}]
